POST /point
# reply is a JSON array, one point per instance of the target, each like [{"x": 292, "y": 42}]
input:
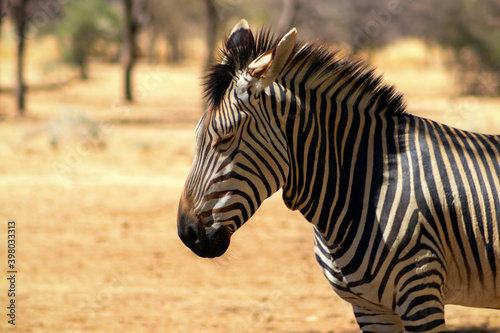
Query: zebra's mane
[{"x": 322, "y": 62}]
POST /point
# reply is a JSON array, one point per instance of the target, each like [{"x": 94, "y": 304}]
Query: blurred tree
[
  {"x": 4, "y": 6},
  {"x": 357, "y": 25},
  {"x": 175, "y": 23},
  {"x": 213, "y": 24},
  {"x": 3, "y": 15},
  {"x": 86, "y": 26},
  {"x": 28, "y": 16},
  {"x": 19, "y": 14},
  {"x": 133, "y": 11},
  {"x": 470, "y": 30}
]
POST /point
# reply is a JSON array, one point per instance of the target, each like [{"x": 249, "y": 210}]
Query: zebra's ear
[
  {"x": 265, "y": 69},
  {"x": 241, "y": 35}
]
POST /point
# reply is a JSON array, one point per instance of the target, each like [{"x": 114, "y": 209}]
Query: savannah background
[{"x": 91, "y": 171}]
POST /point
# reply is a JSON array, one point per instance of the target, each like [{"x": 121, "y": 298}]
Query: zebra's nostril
[
  {"x": 190, "y": 235},
  {"x": 187, "y": 230}
]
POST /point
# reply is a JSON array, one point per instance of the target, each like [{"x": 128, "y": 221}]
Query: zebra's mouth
[{"x": 207, "y": 242}]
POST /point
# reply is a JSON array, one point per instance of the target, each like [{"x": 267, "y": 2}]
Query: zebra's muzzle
[{"x": 208, "y": 242}]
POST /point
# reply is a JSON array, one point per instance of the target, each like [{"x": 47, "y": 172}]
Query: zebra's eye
[{"x": 223, "y": 141}]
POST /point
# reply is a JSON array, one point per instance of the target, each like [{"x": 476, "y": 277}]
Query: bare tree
[
  {"x": 469, "y": 31},
  {"x": 166, "y": 19},
  {"x": 129, "y": 46},
  {"x": 213, "y": 24},
  {"x": 19, "y": 13},
  {"x": 133, "y": 11},
  {"x": 4, "y": 4},
  {"x": 3, "y": 14}
]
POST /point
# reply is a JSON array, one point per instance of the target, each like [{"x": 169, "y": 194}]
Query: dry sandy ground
[{"x": 97, "y": 249}]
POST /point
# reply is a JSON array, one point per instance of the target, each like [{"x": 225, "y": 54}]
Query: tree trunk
[
  {"x": 3, "y": 11},
  {"x": 19, "y": 14},
  {"x": 175, "y": 49},
  {"x": 212, "y": 29},
  {"x": 4, "y": 7},
  {"x": 83, "y": 70},
  {"x": 129, "y": 45}
]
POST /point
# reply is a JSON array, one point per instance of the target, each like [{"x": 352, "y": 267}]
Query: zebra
[{"x": 405, "y": 210}]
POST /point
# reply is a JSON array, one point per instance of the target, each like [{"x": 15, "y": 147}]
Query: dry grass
[{"x": 98, "y": 250}]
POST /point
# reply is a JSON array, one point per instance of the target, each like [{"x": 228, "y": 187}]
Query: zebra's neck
[{"x": 337, "y": 134}]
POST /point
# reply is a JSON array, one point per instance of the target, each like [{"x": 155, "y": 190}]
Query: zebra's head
[{"x": 241, "y": 153}]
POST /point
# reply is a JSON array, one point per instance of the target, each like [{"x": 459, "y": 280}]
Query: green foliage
[{"x": 88, "y": 28}]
